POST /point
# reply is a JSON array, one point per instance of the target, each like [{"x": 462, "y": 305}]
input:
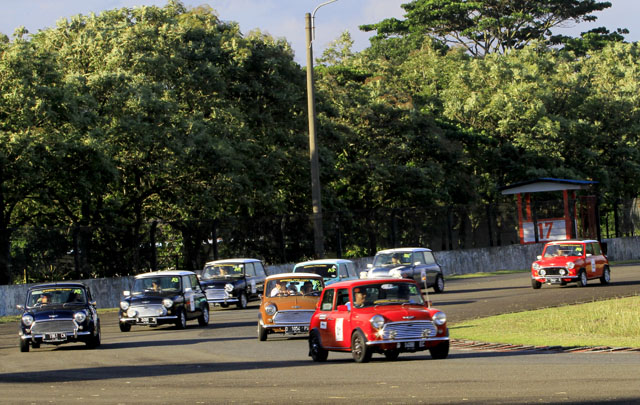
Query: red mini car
[
  {"x": 369, "y": 316},
  {"x": 569, "y": 261}
]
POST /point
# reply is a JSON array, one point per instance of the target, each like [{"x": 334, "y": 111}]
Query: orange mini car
[{"x": 288, "y": 303}]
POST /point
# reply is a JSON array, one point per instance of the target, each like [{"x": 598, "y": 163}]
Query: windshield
[
  {"x": 386, "y": 294},
  {"x": 156, "y": 284},
  {"x": 569, "y": 249},
  {"x": 294, "y": 286},
  {"x": 223, "y": 270},
  {"x": 324, "y": 270},
  {"x": 395, "y": 258},
  {"x": 56, "y": 296}
]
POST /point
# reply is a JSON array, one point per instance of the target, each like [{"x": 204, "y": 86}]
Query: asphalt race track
[{"x": 225, "y": 362}]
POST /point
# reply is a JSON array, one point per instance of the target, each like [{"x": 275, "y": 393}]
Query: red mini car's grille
[
  {"x": 53, "y": 326},
  {"x": 553, "y": 271},
  {"x": 288, "y": 317},
  {"x": 409, "y": 330}
]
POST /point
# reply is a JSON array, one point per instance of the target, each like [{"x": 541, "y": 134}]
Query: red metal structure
[{"x": 579, "y": 219}]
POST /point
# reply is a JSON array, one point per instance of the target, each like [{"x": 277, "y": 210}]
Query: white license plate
[
  {"x": 149, "y": 321},
  {"x": 296, "y": 329},
  {"x": 410, "y": 345},
  {"x": 55, "y": 337}
]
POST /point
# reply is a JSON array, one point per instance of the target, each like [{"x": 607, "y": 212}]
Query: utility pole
[{"x": 316, "y": 199}]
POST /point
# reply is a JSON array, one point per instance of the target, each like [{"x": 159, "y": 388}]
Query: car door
[
  {"x": 418, "y": 266},
  {"x": 250, "y": 279},
  {"x": 339, "y": 320},
  {"x": 260, "y": 276},
  {"x": 326, "y": 321},
  {"x": 432, "y": 268},
  {"x": 599, "y": 258},
  {"x": 190, "y": 299},
  {"x": 200, "y": 298}
]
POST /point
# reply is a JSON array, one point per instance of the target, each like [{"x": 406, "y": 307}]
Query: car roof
[
  {"x": 237, "y": 260},
  {"x": 365, "y": 281},
  {"x": 294, "y": 275},
  {"x": 404, "y": 250},
  {"x": 556, "y": 242},
  {"x": 60, "y": 284},
  {"x": 322, "y": 261},
  {"x": 166, "y": 273}
]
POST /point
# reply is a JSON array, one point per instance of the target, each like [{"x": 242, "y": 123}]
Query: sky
[{"x": 282, "y": 18}]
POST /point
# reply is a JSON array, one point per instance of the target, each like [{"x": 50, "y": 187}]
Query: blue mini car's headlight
[
  {"x": 80, "y": 316},
  {"x": 27, "y": 320},
  {"x": 124, "y": 305},
  {"x": 167, "y": 302}
]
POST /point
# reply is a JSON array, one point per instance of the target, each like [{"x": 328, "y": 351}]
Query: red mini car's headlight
[
  {"x": 439, "y": 318},
  {"x": 536, "y": 266},
  {"x": 377, "y": 321},
  {"x": 571, "y": 265}
]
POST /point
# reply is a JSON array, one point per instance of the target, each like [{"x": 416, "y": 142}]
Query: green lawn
[{"x": 612, "y": 323}]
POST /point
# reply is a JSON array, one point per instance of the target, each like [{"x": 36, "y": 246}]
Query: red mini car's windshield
[
  {"x": 386, "y": 294},
  {"x": 569, "y": 249}
]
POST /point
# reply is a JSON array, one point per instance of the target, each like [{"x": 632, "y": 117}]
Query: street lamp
[{"x": 318, "y": 236}]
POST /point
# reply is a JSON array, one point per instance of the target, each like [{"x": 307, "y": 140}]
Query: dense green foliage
[{"x": 111, "y": 124}]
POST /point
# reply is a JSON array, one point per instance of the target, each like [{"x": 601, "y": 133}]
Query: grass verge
[{"x": 612, "y": 323}]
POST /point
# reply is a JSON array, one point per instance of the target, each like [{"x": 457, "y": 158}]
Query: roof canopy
[{"x": 546, "y": 184}]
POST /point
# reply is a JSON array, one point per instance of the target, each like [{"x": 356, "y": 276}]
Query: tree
[{"x": 487, "y": 26}]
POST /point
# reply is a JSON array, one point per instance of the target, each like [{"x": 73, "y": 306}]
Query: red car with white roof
[
  {"x": 569, "y": 261},
  {"x": 366, "y": 316}
]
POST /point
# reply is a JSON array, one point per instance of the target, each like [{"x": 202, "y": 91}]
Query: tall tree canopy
[{"x": 487, "y": 26}]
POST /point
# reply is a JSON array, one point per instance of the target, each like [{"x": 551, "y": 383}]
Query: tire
[
  {"x": 125, "y": 327},
  {"x": 317, "y": 353},
  {"x": 224, "y": 305},
  {"x": 439, "y": 285},
  {"x": 535, "y": 284},
  {"x": 359, "y": 350},
  {"x": 582, "y": 279},
  {"x": 94, "y": 341},
  {"x": 181, "y": 322},
  {"x": 242, "y": 301},
  {"x": 440, "y": 352},
  {"x": 203, "y": 320},
  {"x": 262, "y": 332},
  {"x": 24, "y": 346},
  {"x": 606, "y": 276},
  {"x": 392, "y": 354},
  {"x": 35, "y": 345}
]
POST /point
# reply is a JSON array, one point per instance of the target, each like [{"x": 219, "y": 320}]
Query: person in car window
[
  {"x": 358, "y": 298},
  {"x": 278, "y": 289}
]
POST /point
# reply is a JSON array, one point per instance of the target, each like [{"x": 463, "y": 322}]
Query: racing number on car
[
  {"x": 593, "y": 265},
  {"x": 253, "y": 286},
  {"x": 339, "y": 330}
]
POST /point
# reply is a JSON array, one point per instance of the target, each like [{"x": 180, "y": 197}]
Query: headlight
[
  {"x": 132, "y": 313},
  {"x": 536, "y": 266},
  {"x": 563, "y": 272},
  {"x": 167, "y": 302},
  {"x": 27, "y": 320},
  {"x": 571, "y": 265},
  {"x": 80, "y": 317},
  {"x": 439, "y": 318},
  {"x": 228, "y": 287},
  {"x": 377, "y": 321},
  {"x": 395, "y": 273},
  {"x": 542, "y": 272},
  {"x": 124, "y": 305},
  {"x": 270, "y": 309}
]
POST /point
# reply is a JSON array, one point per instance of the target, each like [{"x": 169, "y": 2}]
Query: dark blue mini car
[{"x": 58, "y": 313}]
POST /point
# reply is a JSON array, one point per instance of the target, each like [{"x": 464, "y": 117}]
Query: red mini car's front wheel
[
  {"x": 316, "y": 351},
  {"x": 535, "y": 284},
  {"x": 359, "y": 349},
  {"x": 440, "y": 352}
]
